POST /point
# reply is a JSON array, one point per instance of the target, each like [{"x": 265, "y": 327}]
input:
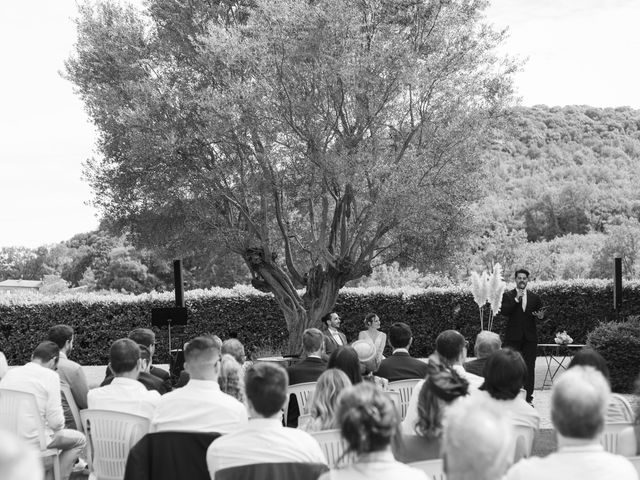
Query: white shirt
[
  {"x": 199, "y": 406},
  {"x": 124, "y": 395},
  {"x": 521, "y": 412},
  {"x": 44, "y": 383},
  {"x": 586, "y": 462},
  {"x": 523, "y": 300},
  {"x": 376, "y": 466},
  {"x": 263, "y": 440},
  {"x": 408, "y": 424}
]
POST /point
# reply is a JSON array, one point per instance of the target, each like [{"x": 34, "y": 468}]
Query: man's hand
[{"x": 539, "y": 314}]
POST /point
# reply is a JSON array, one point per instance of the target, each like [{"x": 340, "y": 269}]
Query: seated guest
[
  {"x": 151, "y": 382},
  {"x": 18, "y": 460},
  {"x": 199, "y": 406},
  {"x": 307, "y": 370},
  {"x": 477, "y": 442},
  {"x": 346, "y": 359},
  {"x": 401, "y": 365},
  {"x": 146, "y": 338},
  {"x": 373, "y": 334},
  {"x": 578, "y": 404},
  {"x": 231, "y": 379},
  {"x": 4, "y": 366},
  {"x": 333, "y": 337},
  {"x": 183, "y": 378},
  {"x": 70, "y": 372},
  {"x": 39, "y": 378},
  {"x": 324, "y": 401},
  {"x": 369, "y": 363},
  {"x": 234, "y": 347},
  {"x": 125, "y": 392},
  {"x": 618, "y": 408},
  {"x": 368, "y": 421},
  {"x": 263, "y": 439},
  {"x": 486, "y": 343},
  {"x": 504, "y": 377},
  {"x": 451, "y": 351},
  {"x": 441, "y": 388}
]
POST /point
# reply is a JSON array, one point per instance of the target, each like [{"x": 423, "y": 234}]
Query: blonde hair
[
  {"x": 325, "y": 397},
  {"x": 231, "y": 379}
]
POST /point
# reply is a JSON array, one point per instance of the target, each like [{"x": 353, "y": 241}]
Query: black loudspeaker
[
  {"x": 177, "y": 282},
  {"x": 617, "y": 283}
]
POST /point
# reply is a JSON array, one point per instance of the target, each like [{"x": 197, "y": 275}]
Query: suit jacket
[
  {"x": 402, "y": 366},
  {"x": 330, "y": 345},
  {"x": 170, "y": 455},
  {"x": 475, "y": 366},
  {"x": 521, "y": 325},
  {"x": 307, "y": 370},
  {"x": 163, "y": 375}
]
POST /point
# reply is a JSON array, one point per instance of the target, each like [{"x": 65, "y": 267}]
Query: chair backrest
[
  {"x": 280, "y": 471},
  {"x": 433, "y": 468},
  {"x": 405, "y": 388},
  {"x": 397, "y": 402},
  {"x": 524, "y": 442},
  {"x": 334, "y": 446},
  {"x": 303, "y": 393},
  {"x": 68, "y": 395},
  {"x": 19, "y": 410},
  {"x": 110, "y": 437},
  {"x": 609, "y": 437}
]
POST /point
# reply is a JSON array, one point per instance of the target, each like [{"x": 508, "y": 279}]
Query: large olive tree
[{"x": 310, "y": 137}]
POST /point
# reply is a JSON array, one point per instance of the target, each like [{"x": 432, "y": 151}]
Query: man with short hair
[
  {"x": 401, "y": 365},
  {"x": 333, "y": 337},
  {"x": 478, "y": 441},
  {"x": 486, "y": 343},
  {"x": 39, "y": 378},
  {"x": 451, "y": 351},
  {"x": 578, "y": 407},
  {"x": 200, "y": 406},
  {"x": 150, "y": 382},
  {"x": 125, "y": 393},
  {"x": 70, "y": 372},
  {"x": 264, "y": 439},
  {"x": 306, "y": 370},
  {"x": 522, "y": 308}
]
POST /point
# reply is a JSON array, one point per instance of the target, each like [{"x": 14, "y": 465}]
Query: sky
[{"x": 578, "y": 52}]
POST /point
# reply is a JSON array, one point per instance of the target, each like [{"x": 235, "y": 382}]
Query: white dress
[{"x": 379, "y": 342}]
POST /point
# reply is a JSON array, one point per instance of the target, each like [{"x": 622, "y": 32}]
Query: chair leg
[{"x": 56, "y": 468}]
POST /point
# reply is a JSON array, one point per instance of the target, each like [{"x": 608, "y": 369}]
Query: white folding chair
[
  {"x": 20, "y": 408},
  {"x": 405, "y": 388},
  {"x": 68, "y": 395},
  {"x": 636, "y": 463},
  {"x": 396, "y": 399},
  {"x": 110, "y": 437},
  {"x": 524, "y": 441},
  {"x": 303, "y": 393},
  {"x": 334, "y": 446},
  {"x": 609, "y": 437},
  {"x": 433, "y": 468}
]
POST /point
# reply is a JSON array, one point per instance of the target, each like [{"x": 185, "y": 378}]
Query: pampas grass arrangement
[{"x": 489, "y": 288}]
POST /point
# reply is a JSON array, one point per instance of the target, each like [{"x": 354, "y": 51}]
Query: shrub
[
  {"x": 619, "y": 345},
  {"x": 577, "y": 307}
]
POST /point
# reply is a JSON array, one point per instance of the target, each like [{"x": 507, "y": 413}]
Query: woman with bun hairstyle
[
  {"x": 346, "y": 359},
  {"x": 325, "y": 401},
  {"x": 368, "y": 421},
  {"x": 442, "y": 386},
  {"x": 373, "y": 334}
]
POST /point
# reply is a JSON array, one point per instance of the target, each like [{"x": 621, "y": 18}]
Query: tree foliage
[{"x": 309, "y": 137}]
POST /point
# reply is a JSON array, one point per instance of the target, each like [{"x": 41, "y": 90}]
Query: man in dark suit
[
  {"x": 486, "y": 343},
  {"x": 333, "y": 337},
  {"x": 522, "y": 308},
  {"x": 307, "y": 370},
  {"x": 400, "y": 365}
]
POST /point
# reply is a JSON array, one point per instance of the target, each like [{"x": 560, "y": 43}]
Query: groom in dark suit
[
  {"x": 333, "y": 337},
  {"x": 522, "y": 308}
]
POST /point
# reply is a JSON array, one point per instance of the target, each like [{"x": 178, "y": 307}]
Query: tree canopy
[{"x": 309, "y": 137}]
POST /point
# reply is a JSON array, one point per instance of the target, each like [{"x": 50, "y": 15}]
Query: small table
[{"x": 555, "y": 359}]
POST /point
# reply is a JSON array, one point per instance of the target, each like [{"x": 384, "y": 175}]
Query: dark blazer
[
  {"x": 520, "y": 325},
  {"x": 307, "y": 370},
  {"x": 151, "y": 384},
  {"x": 330, "y": 345},
  {"x": 402, "y": 366},
  {"x": 170, "y": 455},
  {"x": 475, "y": 366}
]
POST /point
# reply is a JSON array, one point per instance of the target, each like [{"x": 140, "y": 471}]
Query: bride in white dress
[{"x": 373, "y": 334}]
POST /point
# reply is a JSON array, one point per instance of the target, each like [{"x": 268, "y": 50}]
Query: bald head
[
  {"x": 579, "y": 403},
  {"x": 478, "y": 440}
]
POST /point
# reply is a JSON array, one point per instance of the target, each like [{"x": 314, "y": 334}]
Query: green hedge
[
  {"x": 619, "y": 344},
  {"x": 577, "y": 307}
]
